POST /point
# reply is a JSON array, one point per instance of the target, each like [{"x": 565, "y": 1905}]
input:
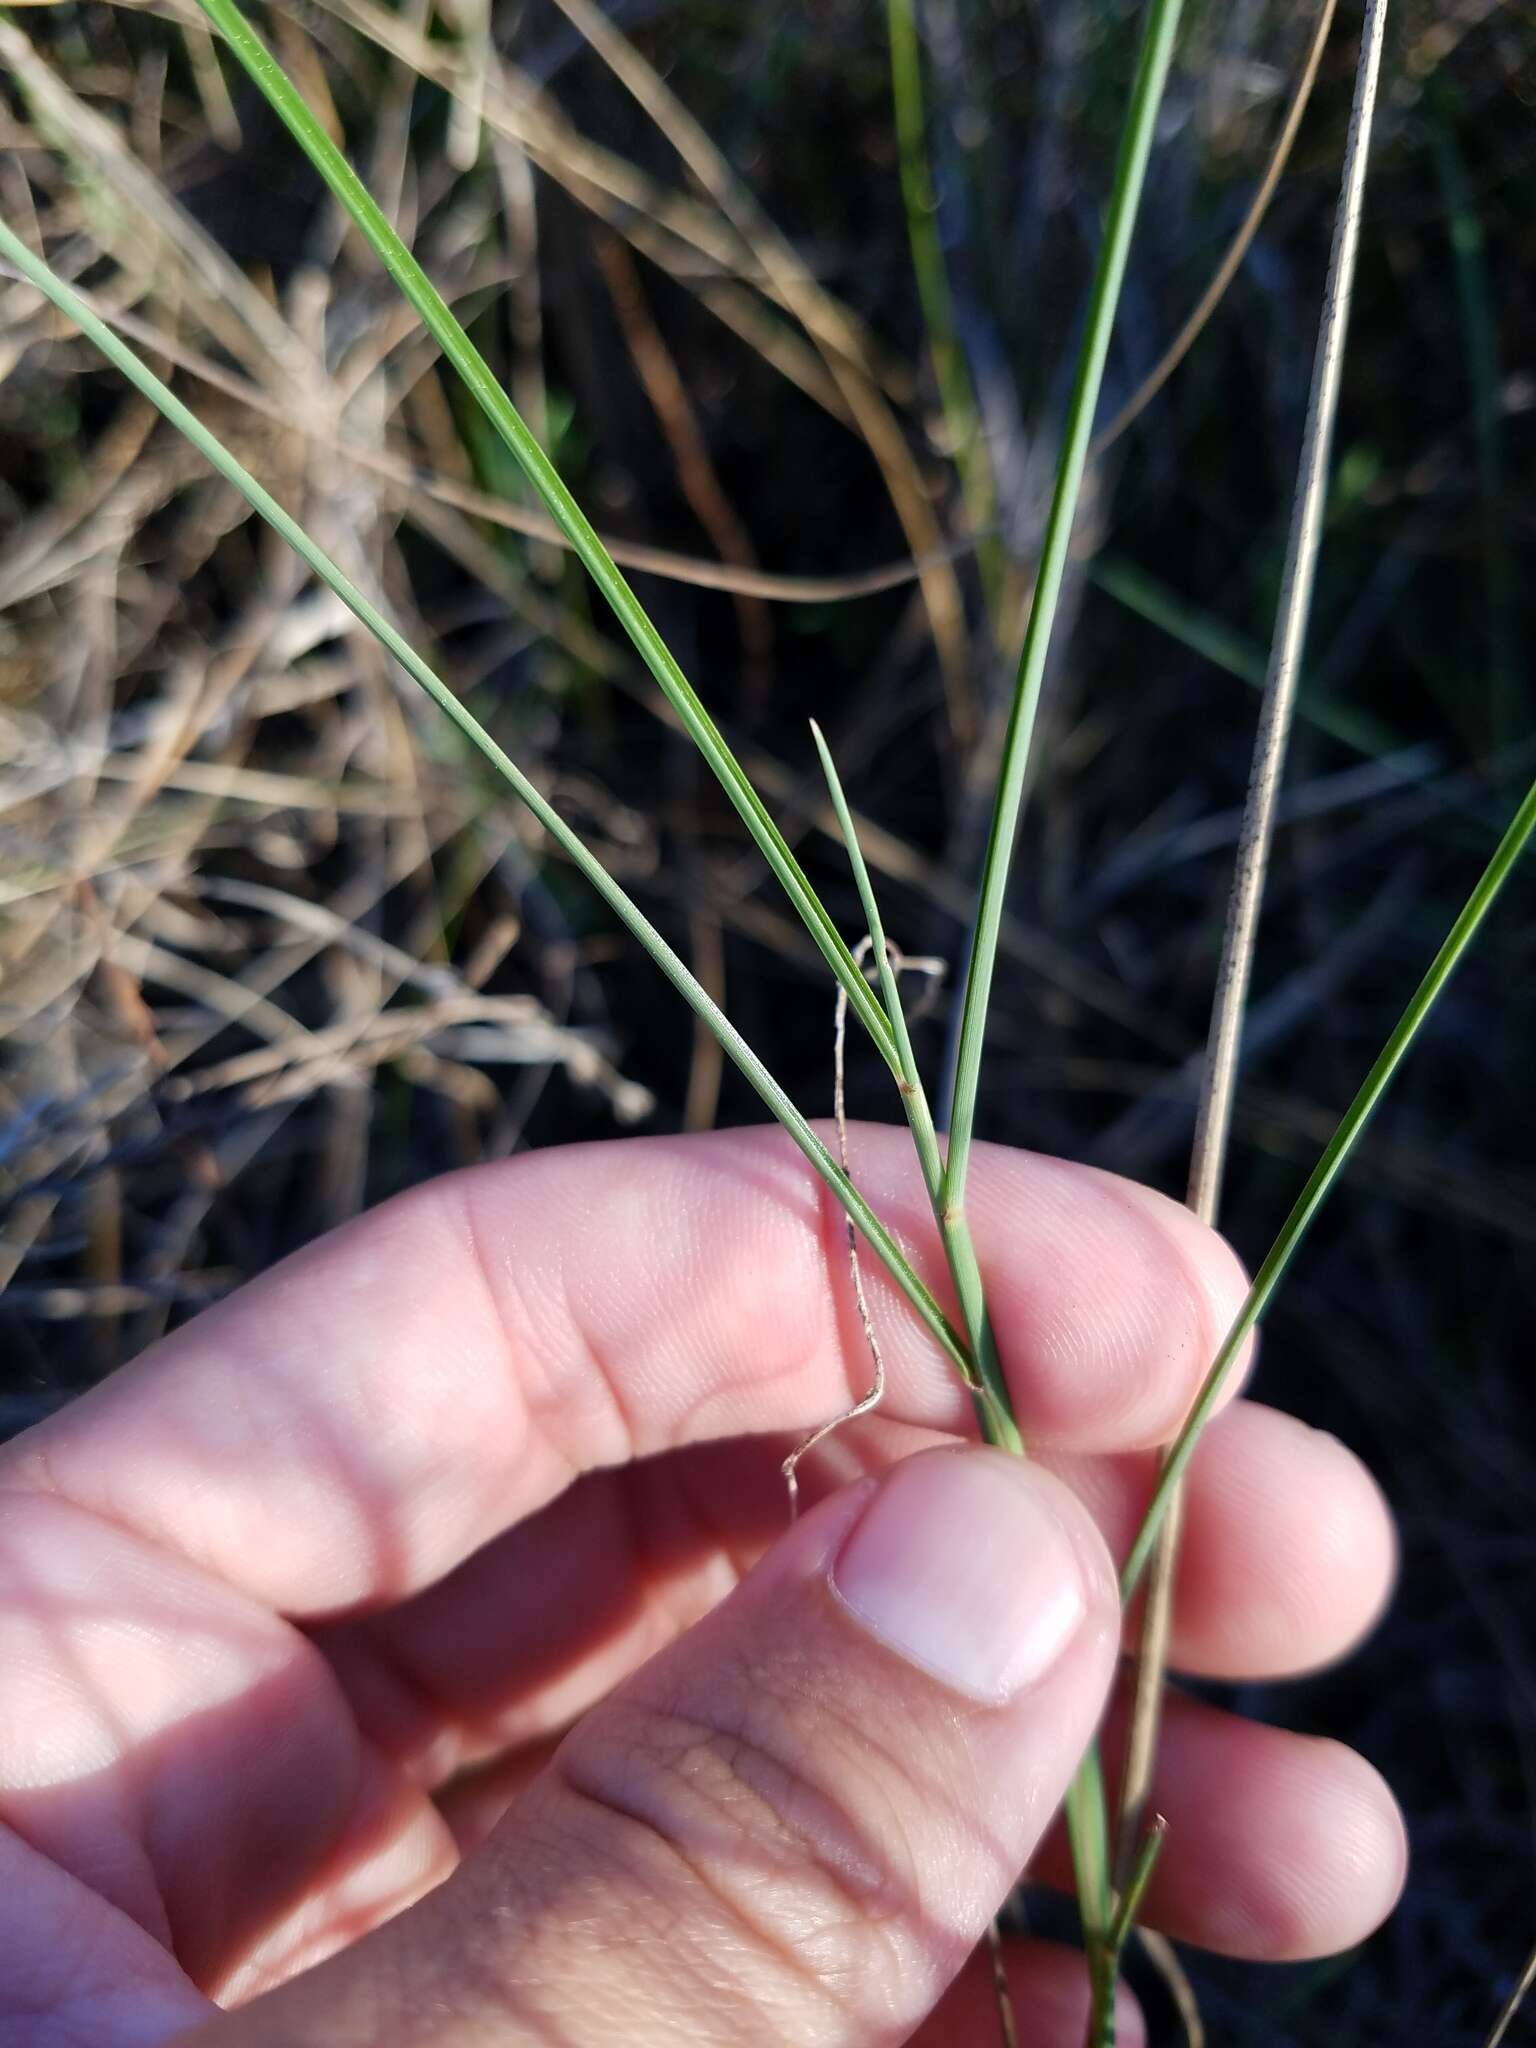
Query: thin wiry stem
[
  {"x": 1518, "y": 835},
  {"x": 827, "y": 326},
  {"x": 1513, "y": 2003},
  {"x": 1135, "y": 1887},
  {"x": 1162, "y": 1955},
  {"x": 1007, "y": 2021},
  {"x": 914, "y": 1100},
  {"x": 867, "y": 1403},
  {"x": 1087, "y": 1824},
  {"x": 1295, "y": 605},
  {"x": 994, "y": 1408},
  {"x": 1214, "y": 1120}
]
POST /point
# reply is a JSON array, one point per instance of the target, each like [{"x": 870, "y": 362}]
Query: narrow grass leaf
[
  {"x": 1088, "y": 1825},
  {"x": 1087, "y": 1819},
  {"x": 1206, "y": 635},
  {"x": 1318, "y": 1188},
  {"x": 994, "y": 1407},
  {"x": 909, "y": 1080},
  {"x": 1136, "y": 1883},
  {"x": 373, "y": 224},
  {"x": 1114, "y": 251},
  {"x": 15, "y": 252}
]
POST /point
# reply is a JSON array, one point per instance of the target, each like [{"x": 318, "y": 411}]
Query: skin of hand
[{"x": 411, "y": 1650}]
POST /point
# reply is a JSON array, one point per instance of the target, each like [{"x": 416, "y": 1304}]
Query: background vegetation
[{"x": 267, "y": 953}]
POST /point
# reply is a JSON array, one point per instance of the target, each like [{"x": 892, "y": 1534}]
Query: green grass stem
[
  {"x": 994, "y": 1408},
  {"x": 1114, "y": 251},
  {"x": 1147, "y": 1853},
  {"x": 1087, "y": 1818},
  {"x": 914, "y": 1097}
]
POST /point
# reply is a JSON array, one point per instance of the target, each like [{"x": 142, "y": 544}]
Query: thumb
[{"x": 793, "y": 1824}]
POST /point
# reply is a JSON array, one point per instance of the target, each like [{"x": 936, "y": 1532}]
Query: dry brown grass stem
[
  {"x": 1007, "y": 2019},
  {"x": 1214, "y": 1120},
  {"x": 1237, "y": 248},
  {"x": 125, "y": 952},
  {"x": 696, "y": 472},
  {"x": 868, "y": 1402},
  {"x": 1519, "y": 1993},
  {"x": 828, "y": 326},
  {"x": 732, "y": 579},
  {"x": 230, "y": 306},
  {"x": 737, "y": 241}
]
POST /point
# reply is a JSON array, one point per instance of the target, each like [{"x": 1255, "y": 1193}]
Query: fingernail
[{"x": 961, "y": 1565}]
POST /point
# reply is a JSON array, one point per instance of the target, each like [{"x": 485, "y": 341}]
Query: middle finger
[{"x": 1287, "y": 1557}]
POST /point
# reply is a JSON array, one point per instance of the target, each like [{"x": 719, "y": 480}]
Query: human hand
[{"x": 295, "y": 1613}]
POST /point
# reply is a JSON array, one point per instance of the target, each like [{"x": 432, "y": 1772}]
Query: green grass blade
[
  {"x": 1326, "y": 1172},
  {"x": 1207, "y": 636},
  {"x": 15, "y": 252},
  {"x": 957, "y": 396},
  {"x": 1114, "y": 250},
  {"x": 1087, "y": 1818},
  {"x": 1087, "y": 1815},
  {"x": 909, "y": 1080},
  {"x": 995, "y": 1409},
  {"x": 1136, "y": 1885},
  {"x": 372, "y": 223}
]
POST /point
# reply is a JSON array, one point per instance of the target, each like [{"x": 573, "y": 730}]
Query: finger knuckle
[{"x": 763, "y": 1806}]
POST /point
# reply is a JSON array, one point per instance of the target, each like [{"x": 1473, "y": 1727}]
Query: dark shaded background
[{"x": 159, "y": 658}]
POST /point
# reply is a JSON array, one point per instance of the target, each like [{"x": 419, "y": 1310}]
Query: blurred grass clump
[{"x": 266, "y": 953}]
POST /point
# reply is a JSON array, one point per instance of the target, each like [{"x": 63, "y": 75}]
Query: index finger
[{"x": 348, "y": 1428}]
